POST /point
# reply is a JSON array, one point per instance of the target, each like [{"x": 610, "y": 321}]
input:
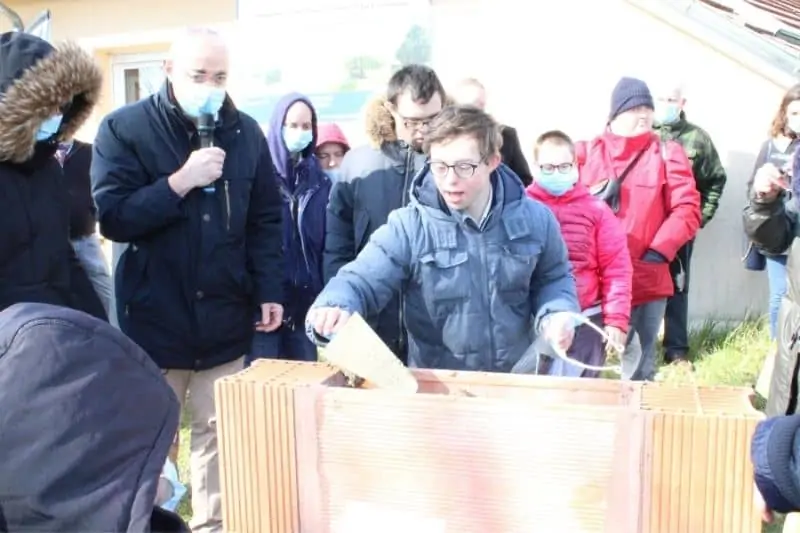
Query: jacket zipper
[
  {"x": 487, "y": 303},
  {"x": 227, "y": 207},
  {"x": 401, "y": 341}
]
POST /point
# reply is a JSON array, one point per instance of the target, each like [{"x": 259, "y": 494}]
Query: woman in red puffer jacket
[{"x": 597, "y": 248}]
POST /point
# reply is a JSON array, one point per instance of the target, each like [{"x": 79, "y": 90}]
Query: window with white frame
[{"x": 136, "y": 76}]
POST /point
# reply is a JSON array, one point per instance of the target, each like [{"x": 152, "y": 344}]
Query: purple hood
[{"x": 281, "y": 158}]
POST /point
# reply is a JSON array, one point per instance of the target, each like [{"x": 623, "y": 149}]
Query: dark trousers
[
  {"x": 286, "y": 343},
  {"x": 587, "y": 347},
  {"x": 676, "y": 316}
]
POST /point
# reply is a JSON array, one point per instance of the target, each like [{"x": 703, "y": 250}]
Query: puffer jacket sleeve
[
  {"x": 552, "y": 283},
  {"x": 367, "y": 284},
  {"x": 616, "y": 269},
  {"x": 683, "y": 203}
]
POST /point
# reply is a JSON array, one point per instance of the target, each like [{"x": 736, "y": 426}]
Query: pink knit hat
[{"x": 331, "y": 133}]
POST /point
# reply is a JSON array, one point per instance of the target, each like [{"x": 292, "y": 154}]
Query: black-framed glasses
[
  {"x": 462, "y": 169},
  {"x": 563, "y": 168},
  {"x": 411, "y": 123}
]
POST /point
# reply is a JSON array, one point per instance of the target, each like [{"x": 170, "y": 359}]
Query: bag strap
[{"x": 630, "y": 166}]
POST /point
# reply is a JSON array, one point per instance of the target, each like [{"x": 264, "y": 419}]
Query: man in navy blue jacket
[{"x": 203, "y": 227}]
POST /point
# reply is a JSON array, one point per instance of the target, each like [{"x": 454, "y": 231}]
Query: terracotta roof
[{"x": 787, "y": 11}]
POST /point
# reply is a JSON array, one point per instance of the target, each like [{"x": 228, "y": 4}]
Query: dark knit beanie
[
  {"x": 771, "y": 453},
  {"x": 629, "y": 94}
]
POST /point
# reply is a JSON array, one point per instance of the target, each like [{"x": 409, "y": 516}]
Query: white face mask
[{"x": 793, "y": 123}]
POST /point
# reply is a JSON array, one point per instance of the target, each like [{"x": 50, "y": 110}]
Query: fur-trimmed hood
[
  {"x": 380, "y": 123},
  {"x": 38, "y": 81}
]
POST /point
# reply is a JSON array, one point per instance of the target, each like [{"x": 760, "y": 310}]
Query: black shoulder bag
[{"x": 609, "y": 190}]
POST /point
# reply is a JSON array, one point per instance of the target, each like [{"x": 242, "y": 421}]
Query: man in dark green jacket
[{"x": 671, "y": 124}]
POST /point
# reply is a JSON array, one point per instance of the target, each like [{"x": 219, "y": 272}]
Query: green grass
[{"x": 721, "y": 356}]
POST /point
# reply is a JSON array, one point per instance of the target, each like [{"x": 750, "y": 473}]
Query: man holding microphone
[{"x": 196, "y": 201}]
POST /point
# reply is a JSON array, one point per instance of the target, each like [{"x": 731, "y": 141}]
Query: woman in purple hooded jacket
[{"x": 292, "y": 138}]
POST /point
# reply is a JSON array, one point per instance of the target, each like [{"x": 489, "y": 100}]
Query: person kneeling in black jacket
[{"x": 47, "y": 94}]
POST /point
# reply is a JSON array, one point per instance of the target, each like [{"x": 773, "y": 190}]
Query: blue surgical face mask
[
  {"x": 201, "y": 99},
  {"x": 49, "y": 128},
  {"x": 333, "y": 174},
  {"x": 557, "y": 183},
  {"x": 665, "y": 113},
  {"x": 296, "y": 139}
]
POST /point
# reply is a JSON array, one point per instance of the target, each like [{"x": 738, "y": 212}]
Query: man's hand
[
  {"x": 271, "y": 318},
  {"x": 203, "y": 168},
  {"x": 616, "y": 339},
  {"x": 766, "y": 513},
  {"x": 768, "y": 182},
  {"x": 327, "y": 321},
  {"x": 559, "y": 329}
]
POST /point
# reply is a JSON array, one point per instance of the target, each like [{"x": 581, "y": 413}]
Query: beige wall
[
  {"x": 542, "y": 73},
  {"x": 113, "y": 27}
]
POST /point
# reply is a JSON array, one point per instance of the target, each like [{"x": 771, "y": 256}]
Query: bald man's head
[
  {"x": 469, "y": 92},
  {"x": 197, "y": 67},
  {"x": 669, "y": 99}
]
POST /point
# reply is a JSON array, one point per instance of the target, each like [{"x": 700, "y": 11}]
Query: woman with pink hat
[{"x": 331, "y": 147}]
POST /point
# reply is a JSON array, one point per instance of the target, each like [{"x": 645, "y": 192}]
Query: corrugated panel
[{"x": 299, "y": 453}]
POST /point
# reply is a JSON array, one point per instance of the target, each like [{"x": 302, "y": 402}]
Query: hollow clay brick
[{"x": 480, "y": 453}]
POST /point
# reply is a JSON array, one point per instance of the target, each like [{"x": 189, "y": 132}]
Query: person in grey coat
[
  {"x": 482, "y": 267},
  {"x": 375, "y": 179}
]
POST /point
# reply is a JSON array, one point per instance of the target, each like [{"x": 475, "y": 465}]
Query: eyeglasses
[
  {"x": 411, "y": 123},
  {"x": 563, "y": 168},
  {"x": 462, "y": 169}
]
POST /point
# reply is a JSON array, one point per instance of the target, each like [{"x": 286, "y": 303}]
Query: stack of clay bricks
[{"x": 300, "y": 452}]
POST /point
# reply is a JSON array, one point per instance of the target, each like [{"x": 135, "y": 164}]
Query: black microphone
[{"x": 205, "y": 129}]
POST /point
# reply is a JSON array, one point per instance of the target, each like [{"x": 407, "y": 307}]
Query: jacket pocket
[
  {"x": 651, "y": 281},
  {"x": 233, "y": 196},
  {"x": 131, "y": 281},
  {"x": 515, "y": 267},
  {"x": 444, "y": 280}
]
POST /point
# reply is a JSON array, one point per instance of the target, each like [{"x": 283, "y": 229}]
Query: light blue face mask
[
  {"x": 666, "y": 113},
  {"x": 49, "y": 128},
  {"x": 202, "y": 99},
  {"x": 333, "y": 174},
  {"x": 296, "y": 139},
  {"x": 557, "y": 183}
]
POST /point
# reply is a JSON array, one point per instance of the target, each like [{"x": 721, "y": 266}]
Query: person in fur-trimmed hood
[
  {"x": 47, "y": 94},
  {"x": 375, "y": 179}
]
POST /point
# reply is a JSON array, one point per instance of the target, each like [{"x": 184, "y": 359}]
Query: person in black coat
[
  {"x": 472, "y": 92},
  {"x": 47, "y": 94}
]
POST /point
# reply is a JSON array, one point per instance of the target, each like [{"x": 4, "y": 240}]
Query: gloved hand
[{"x": 559, "y": 330}]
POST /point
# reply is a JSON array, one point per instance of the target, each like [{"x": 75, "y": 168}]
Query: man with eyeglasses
[
  {"x": 204, "y": 227},
  {"x": 374, "y": 180},
  {"x": 478, "y": 262}
]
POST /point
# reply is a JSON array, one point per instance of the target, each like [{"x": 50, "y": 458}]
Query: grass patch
[{"x": 721, "y": 356}]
